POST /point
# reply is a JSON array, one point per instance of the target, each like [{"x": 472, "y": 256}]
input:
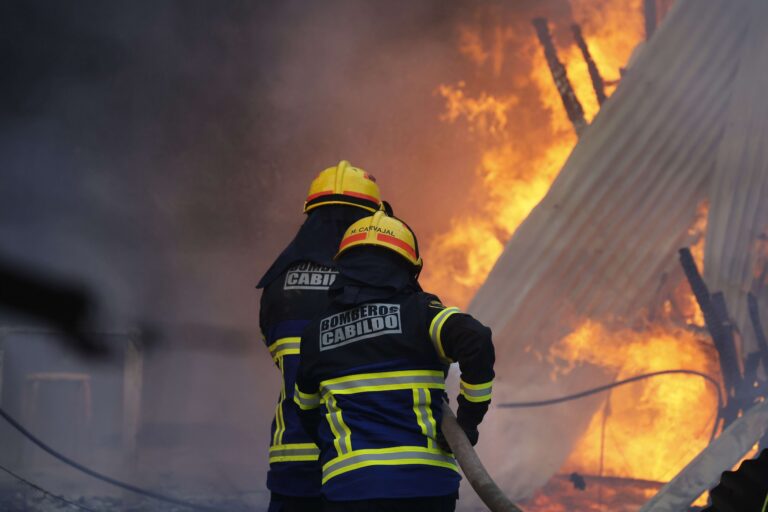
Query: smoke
[{"x": 160, "y": 153}]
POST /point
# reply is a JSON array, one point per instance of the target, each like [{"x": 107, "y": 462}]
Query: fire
[
  {"x": 525, "y": 137},
  {"x": 654, "y": 427},
  {"x": 648, "y": 430}
]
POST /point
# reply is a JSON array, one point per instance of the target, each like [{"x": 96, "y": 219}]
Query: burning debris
[{"x": 589, "y": 282}]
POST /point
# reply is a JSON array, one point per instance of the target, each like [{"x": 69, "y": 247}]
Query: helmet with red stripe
[
  {"x": 344, "y": 184},
  {"x": 383, "y": 231}
]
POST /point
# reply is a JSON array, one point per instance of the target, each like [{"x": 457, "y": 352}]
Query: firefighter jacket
[
  {"x": 287, "y": 305},
  {"x": 375, "y": 373}
]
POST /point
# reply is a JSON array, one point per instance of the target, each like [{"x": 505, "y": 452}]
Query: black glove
[
  {"x": 472, "y": 433},
  {"x": 469, "y": 415},
  {"x": 442, "y": 442}
]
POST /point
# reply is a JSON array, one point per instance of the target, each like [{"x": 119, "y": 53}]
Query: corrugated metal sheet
[
  {"x": 738, "y": 213},
  {"x": 599, "y": 243}
]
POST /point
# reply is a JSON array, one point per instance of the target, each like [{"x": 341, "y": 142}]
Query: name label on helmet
[
  {"x": 366, "y": 321},
  {"x": 377, "y": 229},
  {"x": 309, "y": 276}
]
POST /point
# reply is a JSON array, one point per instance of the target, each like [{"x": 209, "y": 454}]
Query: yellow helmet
[
  {"x": 344, "y": 184},
  {"x": 383, "y": 231}
]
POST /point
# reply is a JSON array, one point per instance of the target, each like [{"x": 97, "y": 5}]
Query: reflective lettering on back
[
  {"x": 364, "y": 322},
  {"x": 309, "y": 276}
]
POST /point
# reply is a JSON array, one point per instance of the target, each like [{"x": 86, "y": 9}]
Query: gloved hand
[
  {"x": 468, "y": 416},
  {"x": 442, "y": 442},
  {"x": 472, "y": 433}
]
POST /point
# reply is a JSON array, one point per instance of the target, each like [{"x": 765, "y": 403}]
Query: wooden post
[
  {"x": 594, "y": 73},
  {"x": 723, "y": 343},
  {"x": 649, "y": 10},
  {"x": 571, "y": 103}
]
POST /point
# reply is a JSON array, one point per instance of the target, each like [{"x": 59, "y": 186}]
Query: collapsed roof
[{"x": 687, "y": 124}]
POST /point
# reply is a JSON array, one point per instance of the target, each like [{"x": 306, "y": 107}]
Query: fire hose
[
  {"x": 473, "y": 468},
  {"x": 470, "y": 463}
]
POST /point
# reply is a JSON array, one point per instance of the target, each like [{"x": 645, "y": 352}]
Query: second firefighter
[{"x": 371, "y": 380}]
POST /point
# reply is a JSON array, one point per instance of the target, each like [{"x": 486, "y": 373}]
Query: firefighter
[
  {"x": 295, "y": 289},
  {"x": 371, "y": 379}
]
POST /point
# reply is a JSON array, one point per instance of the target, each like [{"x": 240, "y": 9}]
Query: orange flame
[
  {"x": 649, "y": 430},
  {"x": 520, "y": 159},
  {"x": 654, "y": 427}
]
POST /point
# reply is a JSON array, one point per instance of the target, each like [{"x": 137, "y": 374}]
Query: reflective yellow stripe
[
  {"x": 305, "y": 401},
  {"x": 435, "y": 331},
  {"x": 422, "y": 399},
  {"x": 765, "y": 505},
  {"x": 397, "y": 456},
  {"x": 284, "y": 347},
  {"x": 341, "y": 433},
  {"x": 294, "y": 452},
  {"x": 476, "y": 392},
  {"x": 277, "y": 438},
  {"x": 383, "y": 381}
]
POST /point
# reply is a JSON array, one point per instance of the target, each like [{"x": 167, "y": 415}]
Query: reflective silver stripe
[
  {"x": 304, "y": 400},
  {"x": 475, "y": 395},
  {"x": 287, "y": 451},
  {"x": 341, "y": 432},
  {"x": 423, "y": 399},
  {"x": 429, "y": 380},
  {"x": 277, "y": 438},
  {"x": 436, "y": 328},
  {"x": 405, "y": 455},
  {"x": 284, "y": 344}
]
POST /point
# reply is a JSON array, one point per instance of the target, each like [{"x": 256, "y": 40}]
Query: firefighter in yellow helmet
[
  {"x": 372, "y": 377},
  {"x": 294, "y": 290}
]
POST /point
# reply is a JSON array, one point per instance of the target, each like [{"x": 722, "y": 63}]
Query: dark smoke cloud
[{"x": 160, "y": 153}]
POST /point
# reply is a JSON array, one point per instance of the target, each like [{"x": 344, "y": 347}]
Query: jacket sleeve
[
  {"x": 306, "y": 396},
  {"x": 460, "y": 338}
]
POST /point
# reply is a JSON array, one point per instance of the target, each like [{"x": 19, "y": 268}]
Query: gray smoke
[{"x": 160, "y": 153}]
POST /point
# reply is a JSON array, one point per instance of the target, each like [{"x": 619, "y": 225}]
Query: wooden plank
[
  {"x": 703, "y": 472},
  {"x": 594, "y": 74},
  {"x": 570, "y": 101}
]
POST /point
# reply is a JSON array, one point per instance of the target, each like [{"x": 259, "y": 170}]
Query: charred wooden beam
[
  {"x": 571, "y": 103},
  {"x": 649, "y": 9},
  {"x": 717, "y": 326},
  {"x": 594, "y": 73},
  {"x": 757, "y": 325},
  {"x": 726, "y": 331}
]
